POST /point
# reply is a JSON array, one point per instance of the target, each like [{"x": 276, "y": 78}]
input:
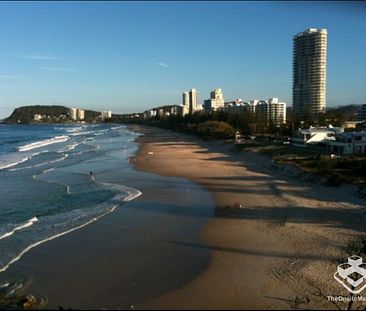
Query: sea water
[{"x": 46, "y": 189}]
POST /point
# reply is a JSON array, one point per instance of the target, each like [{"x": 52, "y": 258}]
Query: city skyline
[{"x": 129, "y": 57}]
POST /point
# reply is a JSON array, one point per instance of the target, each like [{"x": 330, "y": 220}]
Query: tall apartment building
[
  {"x": 190, "y": 102},
  {"x": 193, "y": 100},
  {"x": 215, "y": 102},
  {"x": 81, "y": 114},
  {"x": 77, "y": 114},
  {"x": 73, "y": 114},
  {"x": 309, "y": 72},
  {"x": 185, "y": 109},
  {"x": 106, "y": 115}
]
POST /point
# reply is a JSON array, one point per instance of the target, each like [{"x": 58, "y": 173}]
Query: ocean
[{"x": 46, "y": 189}]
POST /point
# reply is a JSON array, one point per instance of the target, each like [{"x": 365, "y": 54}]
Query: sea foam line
[
  {"x": 4, "y": 268},
  {"x": 42, "y": 143},
  {"x": 14, "y": 163},
  {"x": 22, "y": 226},
  {"x": 40, "y": 164}
]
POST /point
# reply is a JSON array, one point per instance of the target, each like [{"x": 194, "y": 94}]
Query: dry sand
[{"x": 279, "y": 250}]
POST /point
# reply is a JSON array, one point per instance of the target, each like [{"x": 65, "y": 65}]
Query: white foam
[
  {"x": 14, "y": 163},
  {"x": 117, "y": 127},
  {"x": 27, "y": 224},
  {"x": 69, "y": 147},
  {"x": 40, "y": 164},
  {"x": 48, "y": 170},
  {"x": 132, "y": 193},
  {"x": 74, "y": 129},
  {"x": 81, "y": 133},
  {"x": 4, "y": 268},
  {"x": 42, "y": 143}
]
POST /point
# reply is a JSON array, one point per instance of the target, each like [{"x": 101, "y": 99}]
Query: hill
[{"x": 50, "y": 114}]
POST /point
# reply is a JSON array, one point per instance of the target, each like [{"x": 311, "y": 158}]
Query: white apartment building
[
  {"x": 274, "y": 110},
  {"x": 74, "y": 114},
  {"x": 106, "y": 114},
  {"x": 190, "y": 102},
  {"x": 309, "y": 72},
  {"x": 81, "y": 114},
  {"x": 215, "y": 102}
]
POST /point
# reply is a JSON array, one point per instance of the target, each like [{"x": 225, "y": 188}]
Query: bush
[{"x": 215, "y": 129}]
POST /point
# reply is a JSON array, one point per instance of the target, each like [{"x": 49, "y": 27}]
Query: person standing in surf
[{"x": 92, "y": 176}]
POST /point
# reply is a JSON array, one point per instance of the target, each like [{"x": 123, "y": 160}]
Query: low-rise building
[
  {"x": 331, "y": 139},
  {"x": 348, "y": 143},
  {"x": 37, "y": 117},
  {"x": 314, "y": 136}
]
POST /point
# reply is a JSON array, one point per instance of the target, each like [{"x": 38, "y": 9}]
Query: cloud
[
  {"x": 36, "y": 56},
  {"x": 162, "y": 64},
  {"x": 58, "y": 68}
]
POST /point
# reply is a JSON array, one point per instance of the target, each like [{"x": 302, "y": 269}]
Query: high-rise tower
[{"x": 309, "y": 72}]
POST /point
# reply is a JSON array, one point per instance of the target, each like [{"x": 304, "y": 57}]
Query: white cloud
[
  {"x": 162, "y": 64},
  {"x": 36, "y": 56}
]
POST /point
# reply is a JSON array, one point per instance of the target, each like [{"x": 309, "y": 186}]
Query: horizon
[{"x": 133, "y": 56}]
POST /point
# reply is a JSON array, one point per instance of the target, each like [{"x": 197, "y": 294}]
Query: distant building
[
  {"x": 309, "y": 72},
  {"x": 77, "y": 114},
  {"x": 273, "y": 110},
  {"x": 37, "y": 117},
  {"x": 185, "y": 109},
  {"x": 74, "y": 114},
  {"x": 190, "y": 102},
  {"x": 106, "y": 115},
  {"x": 150, "y": 113},
  {"x": 215, "y": 102},
  {"x": 193, "y": 100},
  {"x": 361, "y": 115},
  {"x": 81, "y": 114},
  {"x": 237, "y": 106}
]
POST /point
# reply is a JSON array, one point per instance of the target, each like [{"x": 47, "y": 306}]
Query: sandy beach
[{"x": 279, "y": 250}]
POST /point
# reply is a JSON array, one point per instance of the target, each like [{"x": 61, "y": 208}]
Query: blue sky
[{"x": 129, "y": 56}]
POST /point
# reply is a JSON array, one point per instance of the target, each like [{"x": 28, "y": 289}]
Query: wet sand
[{"x": 279, "y": 250}]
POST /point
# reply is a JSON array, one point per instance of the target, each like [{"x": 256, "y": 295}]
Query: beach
[
  {"x": 278, "y": 244},
  {"x": 208, "y": 227}
]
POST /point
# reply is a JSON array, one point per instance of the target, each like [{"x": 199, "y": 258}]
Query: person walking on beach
[{"x": 92, "y": 176}]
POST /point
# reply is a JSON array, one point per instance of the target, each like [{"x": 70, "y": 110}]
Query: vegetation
[{"x": 50, "y": 114}]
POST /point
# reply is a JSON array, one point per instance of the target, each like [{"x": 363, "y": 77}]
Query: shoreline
[
  {"x": 279, "y": 250},
  {"x": 126, "y": 257}
]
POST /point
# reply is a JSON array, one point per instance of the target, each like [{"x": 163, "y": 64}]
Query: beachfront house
[
  {"x": 315, "y": 137},
  {"x": 349, "y": 143},
  {"x": 331, "y": 139}
]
